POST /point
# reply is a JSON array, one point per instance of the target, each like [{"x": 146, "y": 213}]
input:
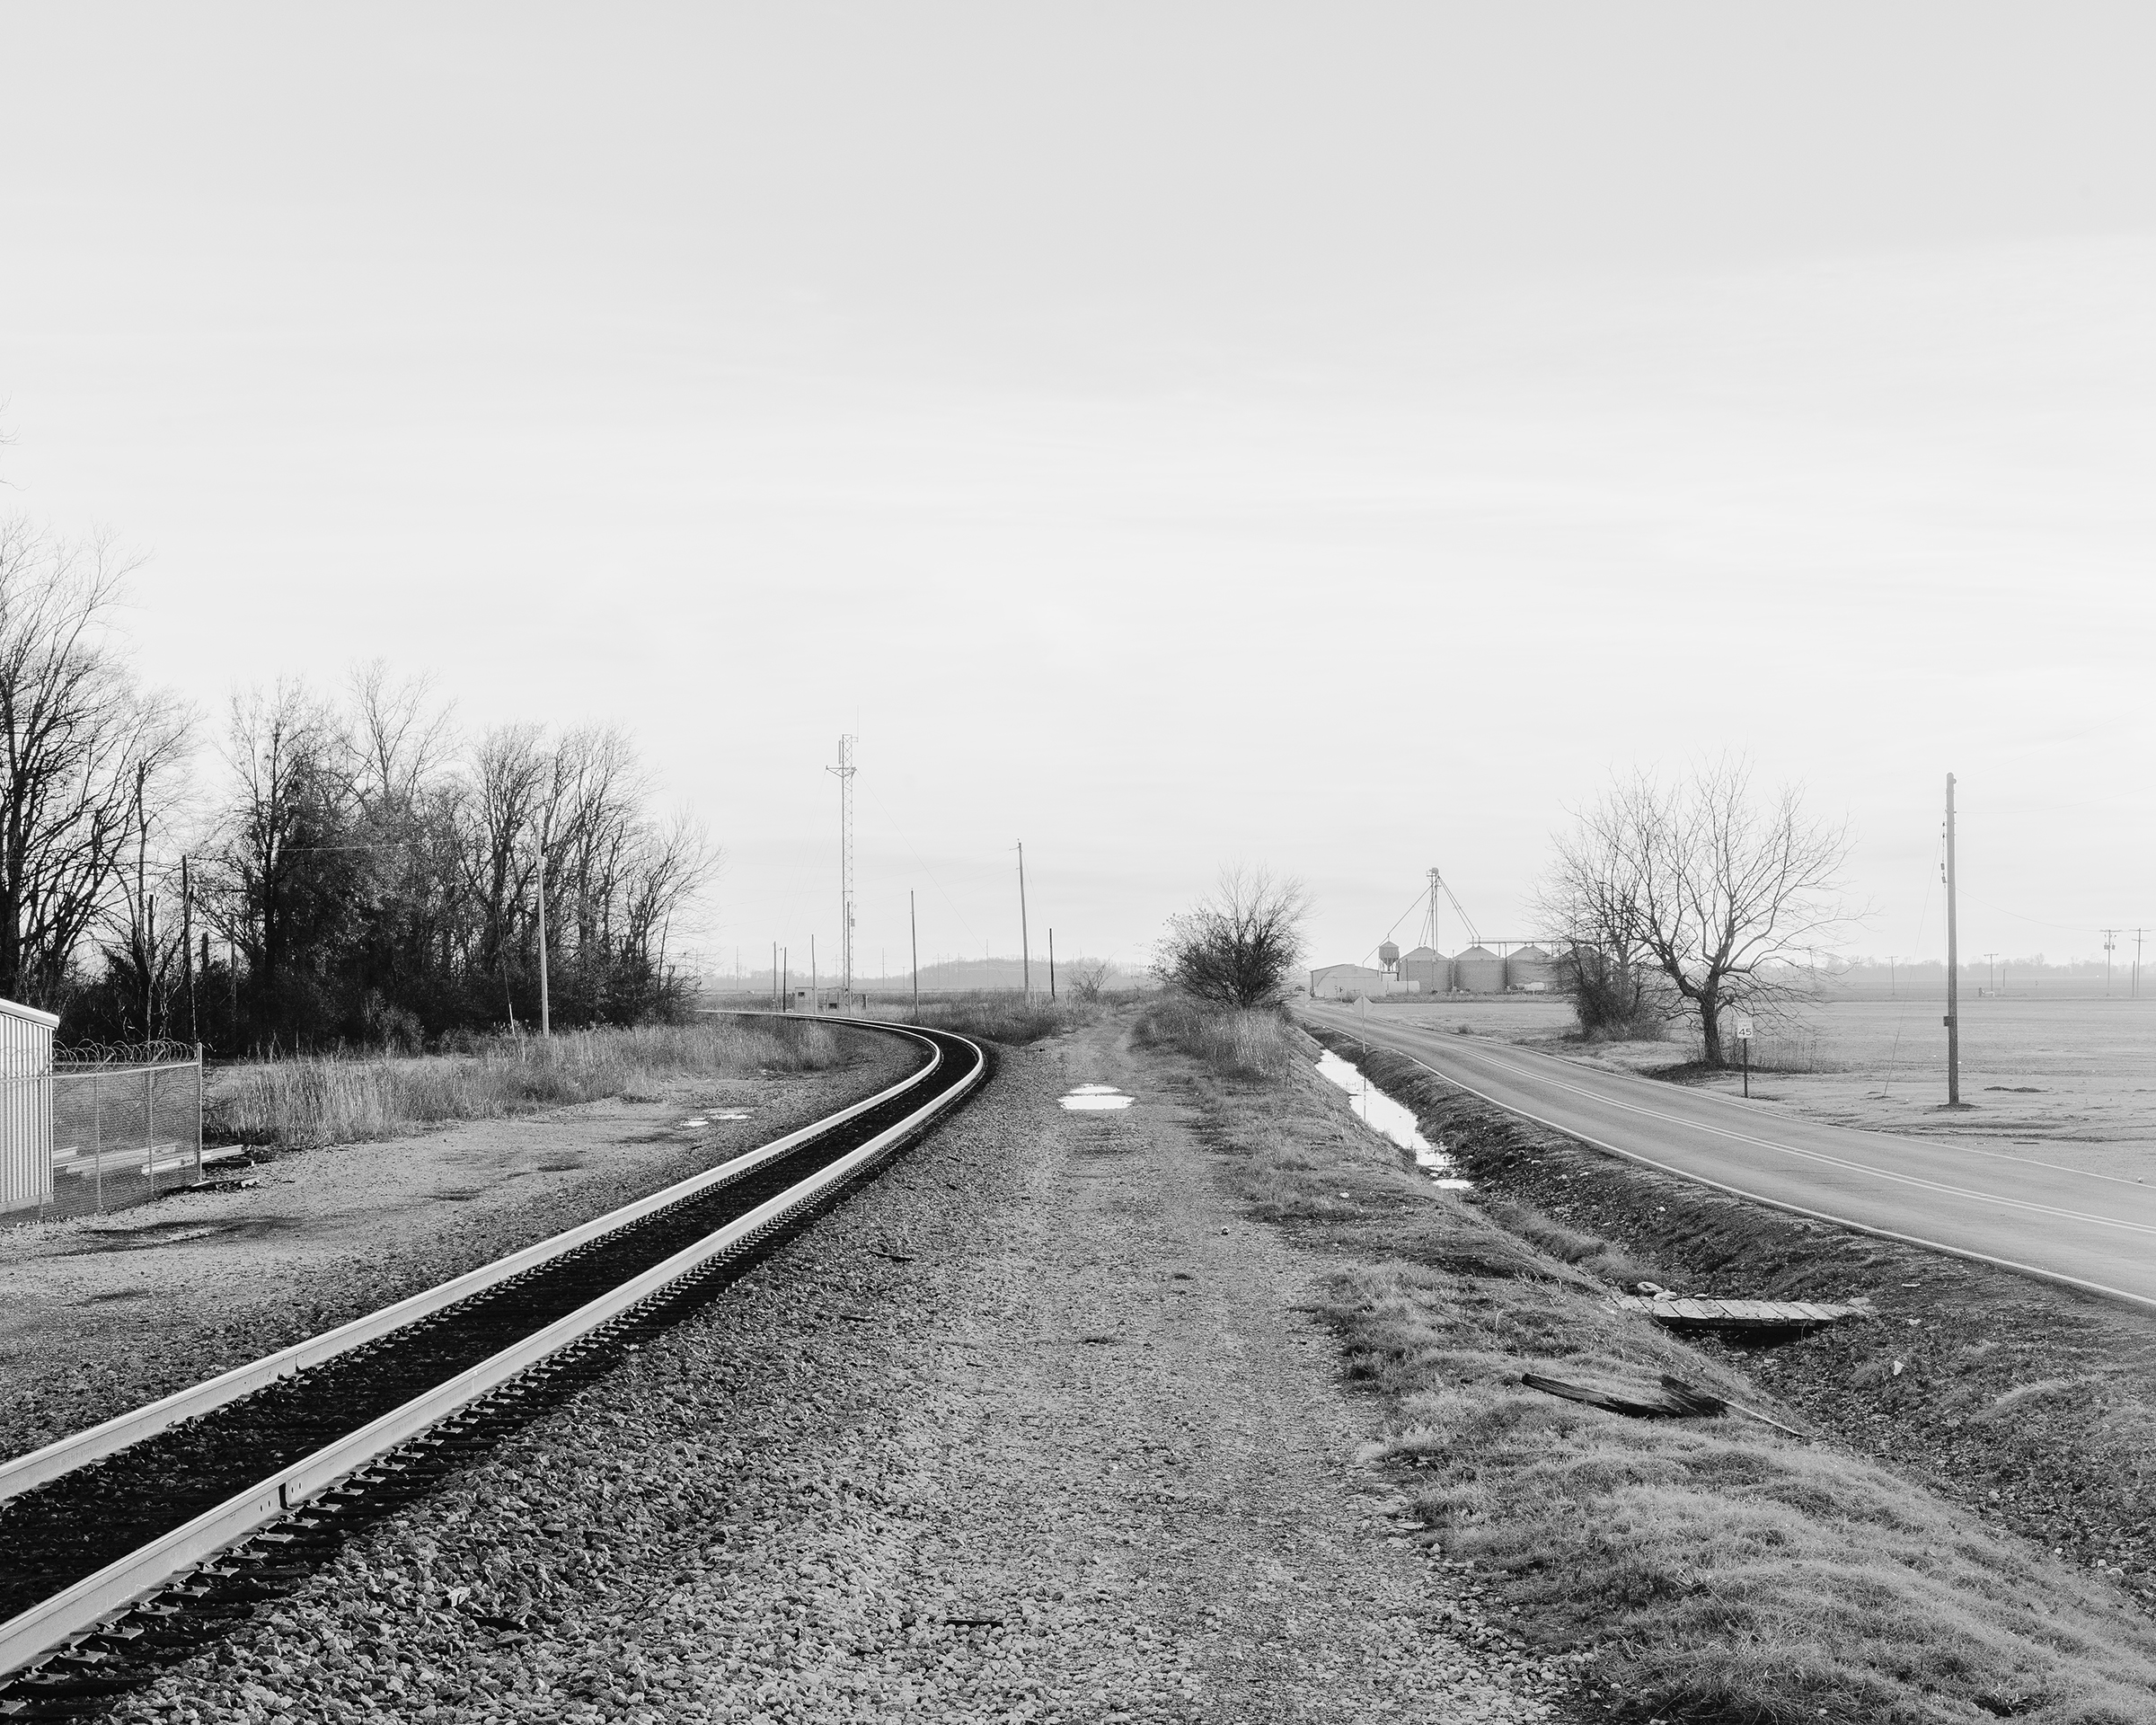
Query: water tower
[{"x": 1388, "y": 954}]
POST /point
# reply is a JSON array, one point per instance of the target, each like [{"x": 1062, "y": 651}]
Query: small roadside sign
[{"x": 1744, "y": 1029}]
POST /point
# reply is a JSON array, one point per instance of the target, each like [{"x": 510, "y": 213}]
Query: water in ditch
[{"x": 1392, "y": 1118}]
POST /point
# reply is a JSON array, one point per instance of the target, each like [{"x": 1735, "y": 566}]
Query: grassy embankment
[
  {"x": 1711, "y": 1570},
  {"x": 316, "y": 1100},
  {"x": 2034, "y": 1404}
]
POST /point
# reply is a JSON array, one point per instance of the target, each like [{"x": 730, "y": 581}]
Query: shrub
[{"x": 1239, "y": 947}]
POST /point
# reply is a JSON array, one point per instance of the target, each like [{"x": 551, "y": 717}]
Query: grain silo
[
  {"x": 1478, "y": 972},
  {"x": 1531, "y": 969},
  {"x": 1429, "y": 969}
]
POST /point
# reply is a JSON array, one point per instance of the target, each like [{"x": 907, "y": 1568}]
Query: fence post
[
  {"x": 97, "y": 1138},
  {"x": 198, "y": 1110}
]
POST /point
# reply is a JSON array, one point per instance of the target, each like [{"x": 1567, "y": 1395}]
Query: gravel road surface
[{"x": 1031, "y": 1429}]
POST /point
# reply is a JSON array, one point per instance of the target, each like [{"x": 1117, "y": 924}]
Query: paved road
[{"x": 2094, "y": 1231}]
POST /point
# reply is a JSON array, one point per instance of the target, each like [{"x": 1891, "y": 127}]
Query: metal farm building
[
  {"x": 1531, "y": 969},
  {"x": 25, "y": 1106}
]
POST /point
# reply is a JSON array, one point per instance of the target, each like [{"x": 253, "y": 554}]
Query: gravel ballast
[
  {"x": 105, "y": 1314},
  {"x": 1032, "y": 1428}
]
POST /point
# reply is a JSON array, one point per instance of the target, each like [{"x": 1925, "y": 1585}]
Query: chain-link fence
[{"x": 119, "y": 1134}]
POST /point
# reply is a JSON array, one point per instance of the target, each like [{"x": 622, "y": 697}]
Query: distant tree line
[{"x": 346, "y": 870}]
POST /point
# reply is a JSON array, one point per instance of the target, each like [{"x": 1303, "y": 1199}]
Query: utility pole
[
  {"x": 1952, "y": 966},
  {"x": 816, "y": 998},
  {"x": 785, "y": 979},
  {"x": 2137, "y": 934},
  {"x": 913, "y": 930},
  {"x": 1051, "y": 966},
  {"x": 546, "y": 1023},
  {"x": 187, "y": 951},
  {"x": 844, "y": 771},
  {"x": 2110, "y": 940},
  {"x": 1990, "y": 961},
  {"x": 775, "y": 1006},
  {"x": 1025, "y": 945}
]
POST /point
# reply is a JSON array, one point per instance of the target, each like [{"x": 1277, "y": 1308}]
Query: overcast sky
[{"x": 1335, "y": 437}]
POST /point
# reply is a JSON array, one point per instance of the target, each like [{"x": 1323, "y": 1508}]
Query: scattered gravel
[
  {"x": 104, "y": 1314},
  {"x": 1031, "y": 1429}
]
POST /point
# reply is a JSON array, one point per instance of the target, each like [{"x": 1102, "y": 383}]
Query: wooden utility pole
[
  {"x": 775, "y": 1005},
  {"x": 1952, "y": 966},
  {"x": 546, "y": 1020},
  {"x": 816, "y": 998},
  {"x": 187, "y": 948},
  {"x": 1025, "y": 945},
  {"x": 913, "y": 929},
  {"x": 1051, "y": 966}
]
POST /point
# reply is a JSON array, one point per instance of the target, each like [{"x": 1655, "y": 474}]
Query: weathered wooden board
[{"x": 1736, "y": 1314}]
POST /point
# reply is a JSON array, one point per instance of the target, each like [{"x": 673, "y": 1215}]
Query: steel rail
[
  {"x": 77, "y": 1610},
  {"x": 78, "y": 1449}
]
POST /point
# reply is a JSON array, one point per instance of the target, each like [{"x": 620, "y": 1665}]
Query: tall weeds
[
  {"x": 1251, "y": 1043},
  {"x": 316, "y": 1100}
]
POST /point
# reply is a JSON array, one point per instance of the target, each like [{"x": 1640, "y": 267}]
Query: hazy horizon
[{"x": 1337, "y": 440}]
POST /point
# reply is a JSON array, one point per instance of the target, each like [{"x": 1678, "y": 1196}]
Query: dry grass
[
  {"x": 1250, "y": 1045},
  {"x": 341, "y": 1099},
  {"x": 1716, "y": 1569},
  {"x": 999, "y": 1014}
]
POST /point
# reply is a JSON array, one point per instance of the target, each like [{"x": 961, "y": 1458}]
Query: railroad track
[{"x": 125, "y": 1547}]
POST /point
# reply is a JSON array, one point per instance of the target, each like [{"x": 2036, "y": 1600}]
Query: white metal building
[
  {"x": 25, "y": 1106},
  {"x": 1347, "y": 981}
]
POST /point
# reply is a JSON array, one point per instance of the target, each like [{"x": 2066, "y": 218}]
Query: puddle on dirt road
[
  {"x": 1395, "y": 1119},
  {"x": 1097, "y": 1097}
]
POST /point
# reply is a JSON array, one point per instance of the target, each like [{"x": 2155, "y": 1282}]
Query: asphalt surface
[{"x": 2093, "y": 1231}]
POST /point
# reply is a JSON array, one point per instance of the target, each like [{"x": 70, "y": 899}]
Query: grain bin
[
  {"x": 1430, "y": 968},
  {"x": 1531, "y": 969},
  {"x": 25, "y": 1106},
  {"x": 1478, "y": 972}
]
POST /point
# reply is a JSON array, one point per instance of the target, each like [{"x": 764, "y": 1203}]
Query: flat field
[{"x": 2075, "y": 1077}]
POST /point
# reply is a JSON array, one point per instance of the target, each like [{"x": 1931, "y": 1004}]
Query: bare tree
[
  {"x": 292, "y": 865},
  {"x": 141, "y": 918},
  {"x": 83, "y": 751},
  {"x": 1241, "y": 944},
  {"x": 1720, "y": 893}
]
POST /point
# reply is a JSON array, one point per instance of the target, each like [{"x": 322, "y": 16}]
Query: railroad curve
[{"x": 239, "y": 1484}]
